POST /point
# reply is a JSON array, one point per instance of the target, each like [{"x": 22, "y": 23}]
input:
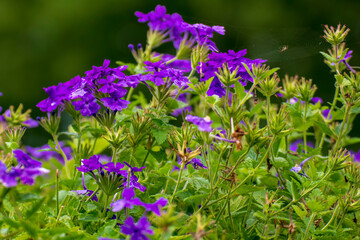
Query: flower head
[
  {"x": 204, "y": 124},
  {"x": 139, "y": 230}
]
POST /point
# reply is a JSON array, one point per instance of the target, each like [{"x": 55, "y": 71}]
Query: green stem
[
  {"x": 338, "y": 140},
  {"x": 247, "y": 95},
  {"x": 114, "y": 155},
  {"x": 311, "y": 220},
  {"x": 206, "y": 203},
  {"x": 268, "y": 113},
  {"x": 128, "y": 97},
  {"x": 330, "y": 112},
  {"x": 59, "y": 148},
  {"x": 98, "y": 188},
  {"x": 57, "y": 191},
  {"x": 218, "y": 165},
  {"x": 106, "y": 204},
  {"x": 59, "y": 214},
  {"x": 332, "y": 217},
  {"x": 304, "y": 119},
  {"x": 178, "y": 181}
]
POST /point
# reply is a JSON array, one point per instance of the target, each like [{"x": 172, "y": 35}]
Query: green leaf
[
  {"x": 301, "y": 213},
  {"x": 280, "y": 162},
  {"x": 325, "y": 128},
  {"x": 52, "y": 144},
  {"x": 315, "y": 206},
  {"x": 12, "y": 145},
  {"x": 255, "y": 109},
  {"x": 240, "y": 90},
  {"x": 89, "y": 207},
  {"x": 36, "y": 206},
  {"x": 198, "y": 182},
  {"x": 160, "y": 136},
  {"x": 248, "y": 70}
]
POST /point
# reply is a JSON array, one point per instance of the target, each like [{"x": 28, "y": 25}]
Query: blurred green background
[{"x": 43, "y": 42}]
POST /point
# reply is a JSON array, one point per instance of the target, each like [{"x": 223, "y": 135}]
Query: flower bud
[
  {"x": 269, "y": 86},
  {"x": 335, "y": 36},
  {"x": 199, "y": 55},
  {"x": 289, "y": 86},
  {"x": 227, "y": 76},
  {"x": 305, "y": 90},
  {"x": 51, "y": 122},
  {"x": 278, "y": 121}
]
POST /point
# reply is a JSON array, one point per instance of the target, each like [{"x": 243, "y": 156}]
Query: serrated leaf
[
  {"x": 315, "y": 206},
  {"x": 325, "y": 128},
  {"x": 280, "y": 162},
  {"x": 198, "y": 182},
  {"x": 301, "y": 213},
  {"x": 89, "y": 207},
  {"x": 159, "y": 135}
]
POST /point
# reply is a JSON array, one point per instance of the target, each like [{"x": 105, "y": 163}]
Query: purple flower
[
  {"x": 88, "y": 105},
  {"x": 27, "y": 170},
  {"x": 137, "y": 231},
  {"x": 216, "y": 88},
  {"x": 170, "y": 26},
  {"x": 127, "y": 202},
  {"x": 57, "y": 94},
  {"x": 299, "y": 168},
  {"x": 114, "y": 102},
  {"x": 86, "y": 191},
  {"x": 196, "y": 163},
  {"x": 325, "y": 113},
  {"x": 234, "y": 60},
  {"x": 355, "y": 155},
  {"x": 202, "y": 34},
  {"x": 153, "y": 207},
  {"x": 25, "y": 160},
  {"x": 294, "y": 145},
  {"x": 133, "y": 180},
  {"x": 315, "y": 100},
  {"x": 116, "y": 168},
  {"x": 204, "y": 124},
  {"x": 345, "y": 59},
  {"x": 41, "y": 153},
  {"x": 90, "y": 164}
]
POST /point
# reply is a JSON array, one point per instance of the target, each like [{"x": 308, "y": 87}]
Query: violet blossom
[
  {"x": 203, "y": 124},
  {"x": 138, "y": 230}
]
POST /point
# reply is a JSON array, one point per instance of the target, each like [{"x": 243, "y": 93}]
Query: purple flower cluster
[
  {"x": 173, "y": 28},
  {"x": 115, "y": 170},
  {"x": 203, "y": 124},
  {"x": 87, "y": 93},
  {"x": 195, "y": 162},
  {"x": 26, "y": 170},
  {"x": 45, "y": 153},
  {"x": 139, "y": 230},
  {"x": 128, "y": 201},
  {"x": 234, "y": 60},
  {"x": 158, "y": 71},
  {"x": 142, "y": 227}
]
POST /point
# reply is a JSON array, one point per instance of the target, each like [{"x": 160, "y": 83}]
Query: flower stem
[
  {"x": 57, "y": 191},
  {"x": 311, "y": 220},
  {"x": 128, "y": 97},
  {"x": 331, "y": 110},
  {"x": 106, "y": 204},
  {"x": 178, "y": 181},
  {"x": 304, "y": 119},
  {"x": 338, "y": 140}
]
